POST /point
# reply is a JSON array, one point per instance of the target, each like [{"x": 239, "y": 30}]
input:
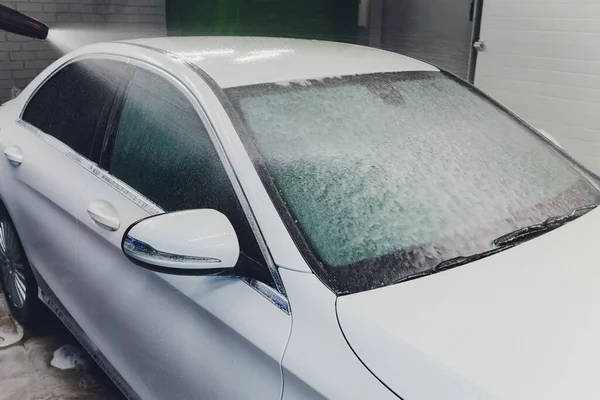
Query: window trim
[{"x": 277, "y": 295}]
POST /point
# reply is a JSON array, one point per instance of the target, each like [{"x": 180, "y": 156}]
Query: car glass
[{"x": 163, "y": 150}]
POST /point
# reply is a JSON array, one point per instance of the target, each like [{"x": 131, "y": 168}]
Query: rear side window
[
  {"x": 163, "y": 150},
  {"x": 74, "y": 105}
]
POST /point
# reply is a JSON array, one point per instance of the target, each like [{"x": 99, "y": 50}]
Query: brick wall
[{"x": 88, "y": 21}]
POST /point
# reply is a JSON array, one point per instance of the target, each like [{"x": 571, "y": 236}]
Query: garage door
[
  {"x": 436, "y": 31},
  {"x": 542, "y": 59}
]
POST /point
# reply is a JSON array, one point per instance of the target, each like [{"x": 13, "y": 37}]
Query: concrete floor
[{"x": 47, "y": 364}]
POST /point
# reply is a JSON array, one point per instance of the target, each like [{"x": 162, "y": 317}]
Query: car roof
[{"x": 239, "y": 61}]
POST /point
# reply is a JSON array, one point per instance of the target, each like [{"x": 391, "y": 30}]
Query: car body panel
[
  {"x": 132, "y": 315},
  {"x": 281, "y": 246},
  {"x": 522, "y": 324},
  {"x": 43, "y": 202},
  {"x": 240, "y": 61},
  {"x": 221, "y": 319},
  {"x": 318, "y": 363},
  {"x": 178, "y": 337},
  {"x": 182, "y": 337},
  {"x": 48, "y": 298}
]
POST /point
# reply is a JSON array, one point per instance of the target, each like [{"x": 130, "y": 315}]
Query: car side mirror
[
  {"x": 549, "y": 137},
  {"x": 194, "y": 242}
]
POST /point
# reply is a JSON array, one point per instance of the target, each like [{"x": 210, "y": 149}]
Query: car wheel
[{"x": 18, "y": 282}]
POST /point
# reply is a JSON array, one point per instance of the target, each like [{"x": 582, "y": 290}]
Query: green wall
[{"x": 311, "y": 19}]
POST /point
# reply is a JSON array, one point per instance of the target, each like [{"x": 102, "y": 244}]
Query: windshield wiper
[
  {"x": 451, "y": 263},
  {"x": 504, "y": 242},
  {"x": 532, "y": 231}
]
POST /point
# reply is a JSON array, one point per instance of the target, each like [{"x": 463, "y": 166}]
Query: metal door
[
  {"x": 542, "y": 61},
  {"x": 435, "y": 31},
  {"x": 171, "y": 337},
  {"x": 41, "y": 191}
]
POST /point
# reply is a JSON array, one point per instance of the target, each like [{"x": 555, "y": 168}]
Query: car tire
[{"x": 18, "y": 283}]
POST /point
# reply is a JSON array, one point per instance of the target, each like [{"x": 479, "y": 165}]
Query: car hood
[{"x": 520, "y": 325}]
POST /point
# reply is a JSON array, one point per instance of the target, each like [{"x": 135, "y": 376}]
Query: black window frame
[
  {"x": 344, "y": 281},
  {"x": 274, "y": 283}
]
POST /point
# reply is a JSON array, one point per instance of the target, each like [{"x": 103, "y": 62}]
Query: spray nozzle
[{"x": 21, "y": 24}]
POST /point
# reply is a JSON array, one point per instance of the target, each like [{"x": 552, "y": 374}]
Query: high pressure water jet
[{"x": 21, "y": 24}]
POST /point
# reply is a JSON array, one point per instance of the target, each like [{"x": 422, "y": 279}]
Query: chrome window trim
[
  {"x": 125, "y": 190},
  {"x": 143, "y": 252},
  {"x": 233, "y": 179},
  {"x": 270, "y": 294},
  {"x": 278, "y": 297}
]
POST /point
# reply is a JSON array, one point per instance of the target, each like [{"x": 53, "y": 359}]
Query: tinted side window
[
  {"x": 163, "y": 150},
  {"x": 74, "y": 104}
]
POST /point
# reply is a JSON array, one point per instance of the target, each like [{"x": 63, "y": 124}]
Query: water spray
[{"x": 18, "y": 23}]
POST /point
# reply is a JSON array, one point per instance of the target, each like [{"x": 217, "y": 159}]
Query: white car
[{"x": 247, "y": 218}]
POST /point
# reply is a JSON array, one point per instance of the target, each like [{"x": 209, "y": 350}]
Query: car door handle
[
  {"x": 104, "y": 214},
  {"x": 14, "y": 155}
]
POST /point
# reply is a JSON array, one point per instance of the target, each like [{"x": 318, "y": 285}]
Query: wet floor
[{"x": 47, "y": 364}]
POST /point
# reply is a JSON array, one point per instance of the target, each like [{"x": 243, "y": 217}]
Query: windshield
[{"x": 382, "y": 176}]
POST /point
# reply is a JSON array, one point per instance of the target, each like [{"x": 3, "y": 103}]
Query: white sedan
[{"x": 246, "y": 218}]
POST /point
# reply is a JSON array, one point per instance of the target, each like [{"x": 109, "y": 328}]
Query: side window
[
  {"x": 74, "y": 105},
  {"x": 163, "y": 150}
]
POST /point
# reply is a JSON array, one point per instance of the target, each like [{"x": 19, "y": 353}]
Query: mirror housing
[
  {"x": 549, "y": 137},
  {"x": 193, "y": 242}
]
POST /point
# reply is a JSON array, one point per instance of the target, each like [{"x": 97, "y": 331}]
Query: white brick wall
[
  {"x": 21, "y": 59},
  {"x": 543, "y": 61}
]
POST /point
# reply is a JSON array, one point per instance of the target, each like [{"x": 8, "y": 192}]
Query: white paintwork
[
  {"x": 240, "y": 61},
  {"x": 318, "y": 362},
  {"x": 167, "y": 340},
  {"x": 520, "y": 325},
  {"x": 208, "y": 106},
  {"x": 104, "y": 214},
  {"x": 212, "y": 318},
  {"x": 542, "y": 61},
  {"x": 43, "y": 204},
  {"x": 182, "y": 337},
  {"x": 204, "y": 234},
  {"x": 550, "y": 137},
  {"x": 179, "y": 337},
  {"x": 14, "y": 155}
]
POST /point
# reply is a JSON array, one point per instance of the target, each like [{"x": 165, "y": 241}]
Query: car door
[
  {"x": 51, "y": 145},
  {"x": 174, "y": 337}
]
